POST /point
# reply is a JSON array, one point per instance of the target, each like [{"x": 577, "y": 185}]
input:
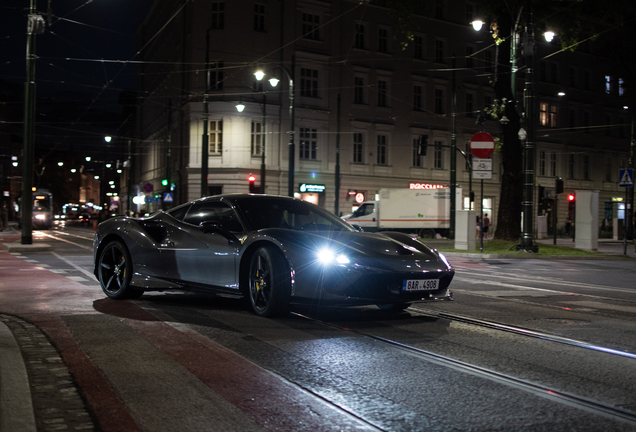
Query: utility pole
[
  {"x": 453, "y": 155},
  {"x": 35, "y": 26},
  {"x": 526, "y": 243},
  {"x": 337, "y": 202},
  {"x": 205, "y": 137}
]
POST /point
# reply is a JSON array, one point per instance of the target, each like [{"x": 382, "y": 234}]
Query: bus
[{"x": 42, "y": 209}]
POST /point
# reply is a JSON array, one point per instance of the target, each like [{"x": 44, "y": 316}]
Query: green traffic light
[{"x": 164, "y": 182}]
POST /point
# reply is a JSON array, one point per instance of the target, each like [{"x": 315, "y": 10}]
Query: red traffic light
[
  {"x": 571, "y": 197},
  {"x": 251, "y": 178}
]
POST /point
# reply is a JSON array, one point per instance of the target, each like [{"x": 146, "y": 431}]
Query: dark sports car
[{"x": 274, "y": 251}]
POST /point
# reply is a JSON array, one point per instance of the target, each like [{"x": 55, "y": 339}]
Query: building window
[
  {"x": 587, "y": 80},
  {"x": 259, "y": 17},
  {"x": 554, "y": 73},
  {"x": 439, "y": 51},
  {"x": 438, "y": 156},
  {"x": 608, "y": 169},
  {"x": 608, "y": 84},
  {"x": 553, "y": 164},
  {"x": 572, "y": 119},
  {"x": 543, "y": 114},
  {"x": 257, "y": 138},
  {"x": 417, "y": 98},
  {"x": 487, "y": 101},
  {"x": 382, "y": 91},
  {"x": 360, "y": 41},
  {"x": 439, "y": 9},
  {"x": 417, "y": 158},
  {"x": 358, "y": 145},
  {"x": 542, "y": 163},
  {"x": 543, "y": 71},
  {"x": 383, "y": 40},
  {"x": 311, "y": 23},
  {"x": 439, "y": 101},
  {"x": 308, "y": 143},
  {"x": 358, "y": 90},
  {"x": 469, "y": 105},
  {"x": 309, "y": 82},
  {"x": 382, "y": 149},
  {"x": 216, "y": 75},
  {"x": 572, "y": 77},
  {"x": 586, "y": 167},
  {"x": 553, "y": 116},
  {"x": 418, "y": 47},
  {"x": 216, "y": 137},
  {"x": 621, "y": 87},
  {"x": 586, "y": 121},
  {"x": 218, "y": 16},
  {"x": 470, "y": 13},
  {"x": 469, "y": 57},
  {"x": 571, "y": 166}
]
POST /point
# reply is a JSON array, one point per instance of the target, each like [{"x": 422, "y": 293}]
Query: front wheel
[
  {"x": 115, "y": 271},
  {"x": 269, "y": 283}
]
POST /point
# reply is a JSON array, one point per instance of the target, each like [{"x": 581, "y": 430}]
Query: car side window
[
  {"x": 180, "y": 212},
  {"x": 214, "y": 212},
  {"x": 364, "y": 210}
]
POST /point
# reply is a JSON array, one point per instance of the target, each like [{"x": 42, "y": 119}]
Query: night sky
[{"x": 77, "y": 93}]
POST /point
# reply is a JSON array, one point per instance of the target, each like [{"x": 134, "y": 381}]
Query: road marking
[
  {"x": 67, "y": 241},
  {"x": 77, "y": 278},
  {"x": 75, "y": 266}
]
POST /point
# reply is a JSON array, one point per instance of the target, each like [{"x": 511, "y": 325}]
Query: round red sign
[{"x": 482, "y": 145}]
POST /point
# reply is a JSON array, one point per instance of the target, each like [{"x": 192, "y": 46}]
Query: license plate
[{"x": 420, "y": 285}]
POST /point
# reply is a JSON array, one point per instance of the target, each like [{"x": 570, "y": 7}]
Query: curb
[
  {"x": 533, "y": 256},
  {"x": 18, "y": 247},
  {"x": 16, "y": 406}
]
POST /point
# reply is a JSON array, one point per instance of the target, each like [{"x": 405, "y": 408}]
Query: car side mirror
[
  {"x": 357, "y": 227},
  {"x": 212, "y": 227}
]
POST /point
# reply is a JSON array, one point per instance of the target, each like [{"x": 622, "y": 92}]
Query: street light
[{"x": 292, "y": 150}]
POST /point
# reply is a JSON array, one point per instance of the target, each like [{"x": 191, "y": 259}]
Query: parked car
[
  {"x": 84, "y": 218},
  {"x": 274, "y": 251}
]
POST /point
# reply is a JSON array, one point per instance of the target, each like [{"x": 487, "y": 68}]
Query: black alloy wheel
[
  {"x": 115, "y": 271},
  {"x": 269, "y": 283}
]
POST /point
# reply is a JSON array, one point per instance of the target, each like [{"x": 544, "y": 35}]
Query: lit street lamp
[{"x": 292, "y": 150}]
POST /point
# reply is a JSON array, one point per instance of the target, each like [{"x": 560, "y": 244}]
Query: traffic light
[
  {"x": 571, "y": 198},
  {"x": 252, "y": 179},
  {"x": 559, "y": 185}
]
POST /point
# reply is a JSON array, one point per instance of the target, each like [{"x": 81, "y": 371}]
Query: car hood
[{"x": 360, "y": 244}]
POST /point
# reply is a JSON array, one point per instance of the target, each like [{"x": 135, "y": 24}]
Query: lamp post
[
  {"x": 35, "y": 26},
  {"x": 259, "y": 76},
  {"x": 205, "y": 137},
  {"x": 292, "y": 149}
]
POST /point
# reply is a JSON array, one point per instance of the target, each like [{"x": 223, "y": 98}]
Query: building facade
[{"x": 365, "y": 97}]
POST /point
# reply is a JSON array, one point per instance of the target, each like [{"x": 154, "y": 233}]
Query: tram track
[
  {"x": 563, "y": 397},
  {"x": 521, "y": 331}
]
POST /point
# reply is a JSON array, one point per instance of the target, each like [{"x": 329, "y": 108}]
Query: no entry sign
[{"x": 482, "y": 145}]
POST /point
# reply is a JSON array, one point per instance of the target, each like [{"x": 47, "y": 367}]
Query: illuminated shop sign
[
  {"x": 306, "y": 187},
  {"x": 426, "y": 186}
]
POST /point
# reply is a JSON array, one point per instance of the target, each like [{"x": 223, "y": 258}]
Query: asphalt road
[{"x": 176, "y": 361}]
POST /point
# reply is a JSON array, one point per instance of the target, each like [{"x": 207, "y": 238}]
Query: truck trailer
[{"x": 424, "y": 212}]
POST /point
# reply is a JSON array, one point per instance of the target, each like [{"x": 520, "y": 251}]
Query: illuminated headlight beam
[{"x": 327, "y": 256}]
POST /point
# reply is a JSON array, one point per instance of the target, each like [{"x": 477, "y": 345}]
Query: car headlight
[
  {"x": 328, "y": 256},
  {"x": 443, "y": 258},
  {"x": 40, "y": 217}
]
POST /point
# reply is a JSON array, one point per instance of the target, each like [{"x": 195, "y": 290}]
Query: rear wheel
[
  {"x": 269, "y": 283},
  {"x": 114, "y": 270},
  {"x": 427, "y": 233}
]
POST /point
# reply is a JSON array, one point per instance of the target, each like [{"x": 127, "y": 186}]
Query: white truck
[{"x": 425, "y": 212}]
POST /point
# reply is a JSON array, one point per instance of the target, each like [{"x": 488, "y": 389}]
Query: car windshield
[{"x": 272, "y": 212}]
